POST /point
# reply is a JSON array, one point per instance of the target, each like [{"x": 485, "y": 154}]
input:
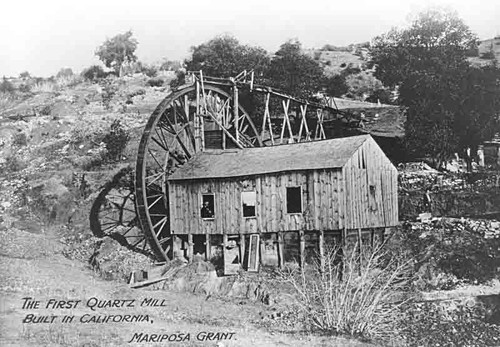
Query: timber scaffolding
[{"x": 246, "y": 79}]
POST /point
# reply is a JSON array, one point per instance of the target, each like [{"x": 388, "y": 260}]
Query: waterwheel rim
[{"x": 113, "y": 213}]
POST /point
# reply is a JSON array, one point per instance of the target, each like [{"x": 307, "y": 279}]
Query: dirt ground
[{"x": 33, "y": 266}]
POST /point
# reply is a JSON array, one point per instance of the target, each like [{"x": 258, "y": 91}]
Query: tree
[
  {"x": 436, "y": 41},
  {"x": 25, "y": 75},
  {"x": 295, "y": 72},
  {"x": 364, "y": 86},
  {"x": 117, "y": 50},
  {"x": 65, "y": 72},
  {"x": 450, "y": 105},
  {"x": 224, "y": 56},
  {"x": 335, "y": 85}
]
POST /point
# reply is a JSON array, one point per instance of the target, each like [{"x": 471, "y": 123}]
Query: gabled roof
[{"x": 325, "y": 154}]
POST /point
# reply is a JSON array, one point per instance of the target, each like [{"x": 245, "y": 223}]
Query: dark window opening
[
  {"x": 293, "y": 200},
  {"x": 249, "y": 200},
  {"x": 207, "y": 206}
]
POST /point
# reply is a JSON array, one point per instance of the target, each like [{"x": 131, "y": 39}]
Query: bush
[
  {"x": 69, "y": 81},
  {"x": 179, "y": 80},
  {"x": 155, "y": 82},
  {"x": 13, "y": 164},
  {"x": 45, "y": 86},
  {"x": 487, "y": 55},
  {"x": 108, "y": 92},
  {"x": 65, "y": 72},
  {"x": 116, "y": 140},
  {"x": 24, "y": 75},
  {"x": 6, "y": 86},
  {"x": 24, "y": 88},
  {"x": 93, "y": 73},
  {"x": 352, "y": 296},
  {"x": 148, "y": 70},
  {"x": 170, "y": 65}
]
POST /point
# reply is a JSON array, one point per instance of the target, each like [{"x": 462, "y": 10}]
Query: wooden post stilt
[
  {"x": 360, "y": 251},
  {"x": 176, "y": 251},
  {"x": 207, "y": 247},
  {"x": 281, "y": 257},
  {"x": 262, "y": 249},
  {"x": 224, "y": 249},
  {"x": 242, "y": 249},
  {"x": 360, "y": 242},
  {"x": 190, "y": 247},
  {"x": 236, "y": 112},
  {"x": 372, "y": 238},
  {"x": 302, "y": 248},
  {"x": 322, "y": 250},
  {"x": 343, "y": 243}
]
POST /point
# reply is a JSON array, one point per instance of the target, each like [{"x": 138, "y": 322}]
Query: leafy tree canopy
[
  {"x": 295, "y": 72},
  {"x": 118, "y": 49},
  {"x": 450, "y": 104},
  {"x": 436, "y": 41},
  {"x": 224, "y": 56}
]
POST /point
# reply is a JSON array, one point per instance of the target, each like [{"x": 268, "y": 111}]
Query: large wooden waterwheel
[
  {"x": 174, "y": 133},
  {"x": 206, "y": 114}
]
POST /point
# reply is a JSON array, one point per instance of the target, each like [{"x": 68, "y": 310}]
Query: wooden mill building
[{"x": 281, "y": 201}]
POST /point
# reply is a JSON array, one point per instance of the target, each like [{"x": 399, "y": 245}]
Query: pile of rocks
[{"x": 488, "y": 229}]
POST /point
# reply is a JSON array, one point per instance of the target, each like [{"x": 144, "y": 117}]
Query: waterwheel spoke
[
  {"x": 156, "y": 176},
  {"x": 162, "y": 221},
  {"x": 189, "y": 133},
  {"x": 155, "y": 202},
  {"x": 154, "y": 158}
]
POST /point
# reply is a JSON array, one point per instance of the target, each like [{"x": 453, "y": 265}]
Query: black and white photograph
[{"x": 250, "y": 173}]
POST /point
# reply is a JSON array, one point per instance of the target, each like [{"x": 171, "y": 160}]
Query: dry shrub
[
  {"x": 356, "y": 294},
  {"x": 46, "y": 86},
  {"x": 68, "y": 81},
  {"x": 7, "y": 100}
]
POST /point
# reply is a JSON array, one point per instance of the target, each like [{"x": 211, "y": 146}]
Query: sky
[{"x": 43, "y": 36}]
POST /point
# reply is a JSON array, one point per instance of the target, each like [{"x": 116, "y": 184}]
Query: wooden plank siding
[
  {"x": 362, "y": 194},
  {"x": 320, "y": 203},
  {"x": 371, "y": 189}
]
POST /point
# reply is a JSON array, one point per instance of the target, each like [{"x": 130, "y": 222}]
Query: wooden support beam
[
  {"x": 176, "y": 250},
  {"x": 190, "y": 247},
  {"x": 303, "y": 124},
  {"x": 302, "y": 248},
  {"x": 319, "y": 134},
  {"x": 281, "y": 253},
  {"x": 225, "y": 130},
  {"x": 322, "y": 250},
  {"x": 262, "y": 249},
  {"x": 290, "y": 132},
  {"x": 372, "y": 238},
  {"x": 266, "y": 118},
  {"x": 236, "y": 111},
  {"x": 360, "y": 241},
  {"x": 286, "y": 122},
  {"x": 197, "y": 116},
  {"x": 207, "y": 247},
  {"x": 360, "y": 251},
  {"x": 242, "y": 249},
  {"x": 224, "y": 249}
]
